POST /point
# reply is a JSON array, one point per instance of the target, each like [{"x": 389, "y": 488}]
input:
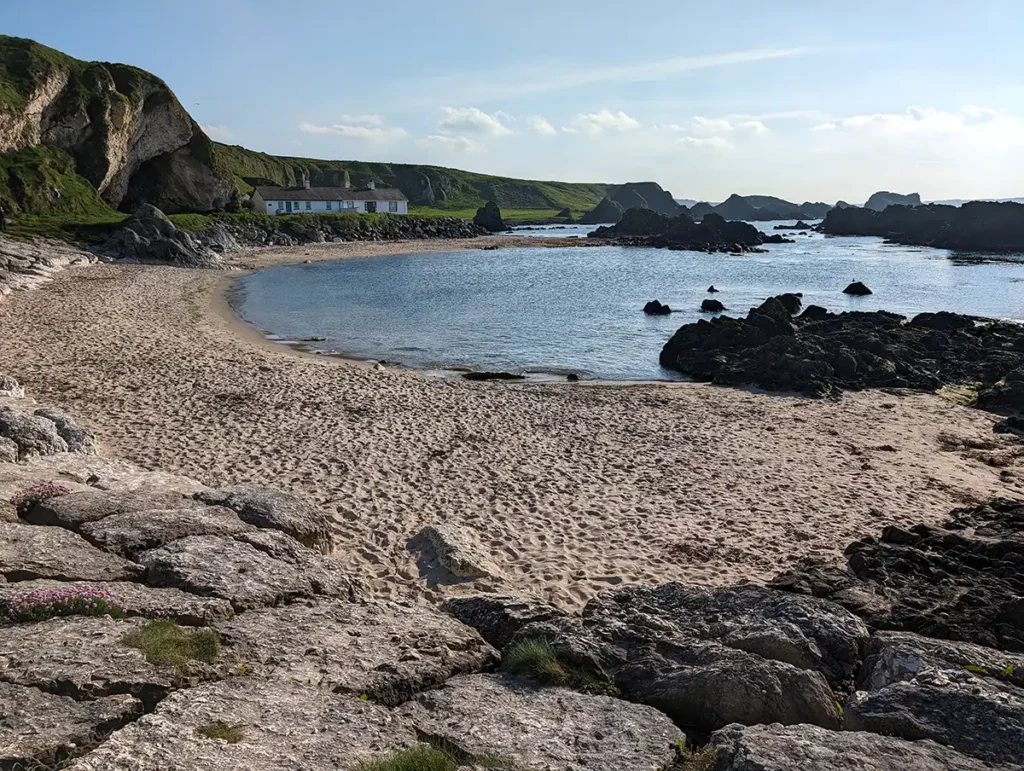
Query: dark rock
[
  {"x": 961, "y": 581},
  {"x": 800, "y": 225},
  {"x": 572, "y": 377},
  {"x": 607, "y": 211},
  {"x": 265, "y": 507},
  {"x": 814, "y": 313},
  {"x": 857, "y": 289},
  {"x": 1011, "y": 425},
  {"x": 792, "y": 302},
  {"x": 492, "y": 376},
  {"x": 384, "y": 650},
  {"x": 711, "y": 306},
  {"x": 149, "y": 235},
  {"x": 655, "y": 308},
  {"x": 644, "y": 227},
  {"x": 884, "y": 199},
  {"x": 488, "y": 217},
  {"x": 28, "y": 553},
  {"x": 711, "y": 289},
  {"x": 564, "y": 214},
  {"x": 809, "y": 748},
  {"x": 499, "y": 716},
  {"x": 710, "y": 657},
  {"x": 499, "y": 618}
]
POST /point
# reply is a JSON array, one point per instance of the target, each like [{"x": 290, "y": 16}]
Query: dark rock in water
[
  {"x": 605, "y": 212},
  {"x": 492, "y": 376},
  {"x": 314, "y": 339},
  {"x": 655, "y": 308},
  {"x": 572, "y": 377},
  {"x": 711, "y": 289},
  {"x": 711, "y": 306},
  {"x": 792, "y": 302},
  {"x": 801, "y": 225},
  {"x": 961, "y": 581},
  {"x": 821, "y": 353},
  {"x": 884, "y": 199},
  {"x": 645, "y": 227},
  {"x": 149, "y": 235},
  {"x": 488, "y": 217},
  {"x": 974, "y": 226},
  {"x": 710, "y": 657},
  {"x": 777, "y": 239},
  {"x": 857, "y": 289}
]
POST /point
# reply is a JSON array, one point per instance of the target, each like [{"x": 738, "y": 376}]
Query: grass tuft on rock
[
  {"x": 539, "y": 659},
  {"x": 165, "y": 642},
  {"x": 422, "y": 757},
  {"x": 218, "y": 729},
  {"x": 704, "y": 759}
]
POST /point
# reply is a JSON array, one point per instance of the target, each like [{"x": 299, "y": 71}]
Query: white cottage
[{"x": 309, "y": 200}]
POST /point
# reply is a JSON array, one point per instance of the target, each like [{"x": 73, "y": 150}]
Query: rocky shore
[
  {"x": 645, "y": 227},
  {"x": 150, "y": 622}
]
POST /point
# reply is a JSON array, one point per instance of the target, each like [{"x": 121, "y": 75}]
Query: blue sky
[{"x": 806, "y": 100}]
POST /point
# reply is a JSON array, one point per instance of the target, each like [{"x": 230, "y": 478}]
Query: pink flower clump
[
  {"x": 26, "y": 499},
  {"x": 41, "y": 604}
]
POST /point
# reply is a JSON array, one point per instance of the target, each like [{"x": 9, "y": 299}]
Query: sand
[{"x": 569, "y": 489}]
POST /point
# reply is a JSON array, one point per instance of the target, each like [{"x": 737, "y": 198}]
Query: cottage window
[
  {"x": 328, "y": 206},
  {"x": 280, "y": 205},
  {"x": 309, "y": 205},
  {"x": 392, "y": 206},
  {"x": 350, "y": 204}
]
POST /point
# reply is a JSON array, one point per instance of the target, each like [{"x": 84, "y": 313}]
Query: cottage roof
[{"x": 274, "y": 193}]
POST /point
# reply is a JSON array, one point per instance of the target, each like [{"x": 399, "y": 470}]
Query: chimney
[
  {"x": 304, "y": 180},
  {"x": 372, "y": 185}
]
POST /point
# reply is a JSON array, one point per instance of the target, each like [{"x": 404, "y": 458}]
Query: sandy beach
[{"x": 569, "y": 488}]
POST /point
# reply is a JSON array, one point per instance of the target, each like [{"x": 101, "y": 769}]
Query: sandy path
[{"x": 570, "y": 488}]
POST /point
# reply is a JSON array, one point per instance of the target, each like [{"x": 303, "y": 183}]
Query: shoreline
[{"x": 566, "y": 491}]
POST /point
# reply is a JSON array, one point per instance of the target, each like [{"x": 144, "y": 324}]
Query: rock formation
[
  {"x": 857, "y": 289},
  {"x": 27, "y": 264},
  {"x": 489, "y": 218},
  {"x": 976, "y": 226},
  {"x": 149, "y": 235},
  {"x": 643, "y": 227},
  {"x": 884, "y": 199},
  {"x": 759, "y": 208},
  {"x": 657, "y": 308},
  {"x": 608, "y": 211},
  {"x": 822, "y": 353}
]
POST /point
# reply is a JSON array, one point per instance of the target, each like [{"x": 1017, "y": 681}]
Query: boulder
[
  {"x": 132, "y": 533},
  {"x": 149, "y": 235},
  {"x": 133, "y": 599},
  {"x": 264, "y": 507},
  {"x": 282, "y": 727},
  {"x": 33, "y": 434},
  {"x": 961, "y": 581},
  {"x": 814, "y": 313},
  {"x": 492, "y": 376},
  {"x": 28, "y": 553},
  {"x": 527, "y": 726},
  {"x": 857, "y": 289},
  {"x": 456, "y": 549},
  {"x": 499, "y": 618},
  {"x": 710, "y": 657},
  {"x": 711, "y": 289},
  {"x": 40, "y": 729},
  {"x": 250, "y": 570},
  {"x": 80, "y": 508},
  {"x": 655, "y": 308},
  {"x": 488, "y": 217},
  {"x": 791, "y": 302},
  {"x": 8, "y": 450},
  {"x": 809, "y": 748},
  {"x": 383, "y": 650},
  {"x": 711, "y": 306},
  {"x": 9, "y": 388},
  {"x": 77, "y": 439}
]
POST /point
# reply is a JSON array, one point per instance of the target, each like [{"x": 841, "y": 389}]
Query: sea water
[{"x": 560, "y": 310}]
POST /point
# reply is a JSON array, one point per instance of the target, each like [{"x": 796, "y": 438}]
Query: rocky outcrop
[
  {"x": 643, "y": 227},
  {"x": 857, "y": 289},
  {"x": 149, "y": 235},
  {"x": 489, "y": 218},
  {"x": 647, "y": 195},
  {"x": 821, "y": 353},
  {"x": 28, "y": 552},
  {"x": 124, "y": 127},
  {"x": 30, "y": 263},
  {"x": 266, "y": 508},
  {"x": 499, "y": 618},
  {"x": 711, "y": 306},
  {"x": 606, "y": 212},
  {"x": 884, "y": 199},
  {"x": 760, "y": 208},
  {"x": 657, "y": 308},
  {"x": 975, "y": 226}
]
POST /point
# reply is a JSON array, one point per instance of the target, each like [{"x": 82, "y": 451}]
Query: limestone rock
[
  {"x": 251, "y": 570},
  {"x": 264, "y": 507},
  {"x": 78, "y": 509},
  {"x": 39, "y": 728},
  {"x": 28, "y": 552},
  {"x": 10, "y": 388},
  {"x": 34, "y": 435},
  {"x": 285, "y": 727},
  {"x": 710, "y": 657},
  {"x": 137, "y": 600},
  {"x": 384, "y": 650},
  {"x": 131, "y": 533},
  {"x": 498, "y": 618},
  {"x": 8, "y": 450},
  {"x": 77, "y": 438},
  {"x": 810, "y": 748},
  {"x": 515, "y": 720},
  {"x": 149, "y": 235},
  {"x": 458, "y": 551}
]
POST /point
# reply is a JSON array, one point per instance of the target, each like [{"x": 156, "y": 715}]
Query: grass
[
  {"x": 44, "y": 180},
  {"x": 218, "y": 729},
  {"x": 704, "y": 759},
  {"x": 163, "y": 642},
  {"x": 429, "y": 757},
  {"x": 539, "y": 659}
]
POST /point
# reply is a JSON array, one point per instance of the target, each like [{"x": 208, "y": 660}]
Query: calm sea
[{"x": 579, "y": 310}]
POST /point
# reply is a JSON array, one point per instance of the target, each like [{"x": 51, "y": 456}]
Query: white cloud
[
  {"x": 752, "y": 126},
  {"x": 701, "y": 126},
  {"x": 471, "y": 120},
  {"x": 716, "y": 143},
  {"x": 828, "y": 126},
  {"x": 216, "y": 132},
  {"x": 541, "y": 126},
  {"x": 971, "y": 125},
  {"x": 362, "y": 120},
  {"x": 570, "y": 130},
  {"x": 361, "y": 133},
  {"x": 605, "y": 120},
  {"x": 457, "y": 144}
]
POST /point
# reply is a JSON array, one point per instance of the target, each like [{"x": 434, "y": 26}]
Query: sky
[{"x": 812, "y": 101}]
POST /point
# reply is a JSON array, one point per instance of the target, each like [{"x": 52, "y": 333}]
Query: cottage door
[
  {"x": 371, "y": 207},
  {"x": 288, "y": 206}
]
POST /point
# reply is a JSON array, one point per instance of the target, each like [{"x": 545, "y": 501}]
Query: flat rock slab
[
  {"x": 251, "y": 570},
  {"x": 810, "y": 748},
  {"x": 38, "y": 728},
  {"x": 137, "y": 600},
  {"x": 265, "y": 507},
  {"x": 498, "y": 618},
  {"x": 710, "y": 657},
  {"x": 75, "y": 510},
  {"x": 457, "y": 550},
  {"x": 963, "y": 695},
  {"x": 383, "y": 650},
  {"x": 132, "y": 533},
  {"x": 285, "y": 727},
  {"x": 28, "y": 552},
  {"x": 515, "y": 720},
  {"x": 80, "y": 657}
]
